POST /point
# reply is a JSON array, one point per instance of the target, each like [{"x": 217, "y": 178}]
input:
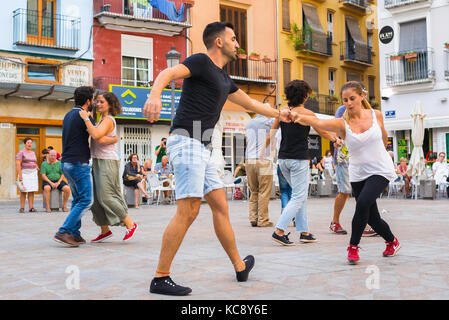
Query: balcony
[
  {"x": 248, "y": 70},
  {"x": 31, "y": 28},
  {"x": 357, "y": 6},
  {"x": 318, "y": 43},
  {"x": 398, "y": 3},
  {"x": 134, "y": 17},
  {"x": 356, "y": 52},
  {"x": 102, "y": 83},
  {"x": 324, "y": 104},
  {"x": 409, "y": 67}
]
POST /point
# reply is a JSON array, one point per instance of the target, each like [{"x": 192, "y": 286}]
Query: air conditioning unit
[{"x": 370, "y": 24}]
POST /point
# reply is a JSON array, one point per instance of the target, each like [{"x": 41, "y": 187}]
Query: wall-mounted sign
[
  {"x": 75, "y": 76},
  {"x": 133, "y": 100},
  {"x": 386, "y": 34},
  {"x": 390, "y": 114},
  {"x": 11, "y": 71}
]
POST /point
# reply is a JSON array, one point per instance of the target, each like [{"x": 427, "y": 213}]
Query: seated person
[
  {"x": 165, "y": 171},
  {"x": 58, "y": 156},
  {"x": 402, "y": 173},
  {"x": 146, "y": 169},
  {"x": 320, "y": 167},
  {"x": 239, "y": 172},
  {"x": 132, "y": 177},
  {"x": 440, "y": 169},
  {"x": 53, "y": 178}
]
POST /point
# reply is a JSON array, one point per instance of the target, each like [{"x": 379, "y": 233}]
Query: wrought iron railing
[
  {"x": 252, "y": 70},
  {"x": 410, "y": 67},
  {"x": 135, "y": 10},
  {"x": 32, "y": 28},
  {"x": 446, "y": 64},
  {"x": 357, "y": 3},
  {"x": 324, "y": 104},
  {"x": 317, "y": 42},
  {"x": 355, "y": 51},
  {"x": 397, "y": 3}
]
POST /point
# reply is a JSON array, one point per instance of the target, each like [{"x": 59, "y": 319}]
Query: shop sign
[
  {"x": 133, "y": 101},
  {"x": 386, "y": 34},
  {"x": 402, "y": 148},
  {"x": 11, "y": 71},
  {"x": 390, "y": 114},
  {"x": 75, "y": 76}
]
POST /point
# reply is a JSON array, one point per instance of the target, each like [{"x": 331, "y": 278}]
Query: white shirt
[{"x": 257, "y": 130}]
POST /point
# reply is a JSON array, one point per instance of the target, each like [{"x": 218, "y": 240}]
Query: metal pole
[{"x": 172, "y": 102}]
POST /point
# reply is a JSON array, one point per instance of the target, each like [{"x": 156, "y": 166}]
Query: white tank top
[
  {"x": 104, "y": 151},
  {"x": 367, "y": 154}
]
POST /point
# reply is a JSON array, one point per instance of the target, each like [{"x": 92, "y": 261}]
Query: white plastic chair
[
  {"x": 157, "y": 185},
  {"x": 228, "y": 181}
]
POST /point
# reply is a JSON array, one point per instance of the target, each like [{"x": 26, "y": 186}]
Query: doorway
[{"x": 35, "y": 134}]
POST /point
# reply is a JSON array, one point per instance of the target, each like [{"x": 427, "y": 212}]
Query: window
[
  {"x": 137, "y": 60},
  {"x": 330, "y": 24},
  {"x": 286, "y": 15},
  {"x": 41, "y": 21},
  {"x": 350, "y": 76},
  {"x": 238, "y": 18},
  {"x": 371, "y": 88},
  {"x": 42, "y": 71},
  {"x": 331, "y": 82},
  {"x": 287, "y": 69},
  {"x": 135, "y": 71},
  {"x": 369, "y": 37}
]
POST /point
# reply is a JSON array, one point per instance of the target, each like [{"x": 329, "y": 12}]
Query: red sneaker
[
  {"x": 102, "y": 237},
  {"x": 336, "y": 228},
  {"x": 369, "y": 232},
  {"x": 392, "y": 248},
  {"x": 353, "y": 254},
  {"x": 130, "y": 232}
]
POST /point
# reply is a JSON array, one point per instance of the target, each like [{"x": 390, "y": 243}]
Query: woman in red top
[{"x": 402, "y": 172}]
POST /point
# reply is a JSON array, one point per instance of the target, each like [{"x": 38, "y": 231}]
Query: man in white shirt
[
  {"x": 440, "y": 168},
  {"x": 259, "y": 171}
]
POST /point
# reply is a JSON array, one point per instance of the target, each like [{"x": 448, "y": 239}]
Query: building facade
[
  {"x": 327, "y": 43},
  {"x": 130, "y": 43},
  {"x": 45, "y": 53},
  {"x": 414, "y": 68},
  {"x": 255, "y": 70}
]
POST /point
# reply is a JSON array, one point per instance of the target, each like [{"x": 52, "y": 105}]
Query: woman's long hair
[{"x": 359, "y": 89}]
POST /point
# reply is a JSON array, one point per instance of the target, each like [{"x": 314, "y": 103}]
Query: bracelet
[{"x": 87, "y": 119}]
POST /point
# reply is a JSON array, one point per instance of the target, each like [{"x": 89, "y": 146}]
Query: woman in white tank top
[
  {"x": 109, "y": 208},
  {"x": 370, "y": 166}
]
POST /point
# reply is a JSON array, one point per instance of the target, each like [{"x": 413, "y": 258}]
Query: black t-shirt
[
  {"x": 75, "y": 138},
  {"x": 294, "y": 142},
  {"x": 203, "y": 97}
]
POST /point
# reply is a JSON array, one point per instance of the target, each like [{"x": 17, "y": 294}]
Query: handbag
[{"x": 20, "y": 185}]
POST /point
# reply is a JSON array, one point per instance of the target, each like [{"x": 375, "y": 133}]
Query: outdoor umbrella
[{"x": 416, "y": 166}]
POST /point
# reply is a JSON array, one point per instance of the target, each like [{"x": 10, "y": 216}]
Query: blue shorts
[
  {"x": 195, "y": 174},
  {"x": 343, "y": 184}
]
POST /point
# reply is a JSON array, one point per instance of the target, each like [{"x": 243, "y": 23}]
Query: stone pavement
[{"x": 33, "y": 266}]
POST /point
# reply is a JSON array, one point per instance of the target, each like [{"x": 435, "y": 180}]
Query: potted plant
[
  {"x": 446, "y": 45},
  {"x": 254, "y": 56},
  {"x": 333, "y": 98},
  {"x": 241, "y": 54},
  {"x": 266, "y": 59},
  {"x": 411, "y": 55},
  {"x": 298, "y": 40},
  {"x": 396, "y": 57},
  {"x": 374, "y": 104}
]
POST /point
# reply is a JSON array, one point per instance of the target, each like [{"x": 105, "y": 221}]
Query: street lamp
[{"x": 173, "y": 58}]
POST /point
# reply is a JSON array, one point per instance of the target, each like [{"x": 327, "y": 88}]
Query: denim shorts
[
  {"x": 343, "y": 184},
  {"x": 195, "y": 175}
]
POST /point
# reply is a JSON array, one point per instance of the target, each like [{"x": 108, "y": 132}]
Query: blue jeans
[
  {"x": 80, "y": 180},
  {"x": 284, "y": 188},
  {"x": 296, "y": 172}
]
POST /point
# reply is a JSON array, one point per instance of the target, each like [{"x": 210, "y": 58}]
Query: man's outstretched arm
[{"x": 153, "y": 105}]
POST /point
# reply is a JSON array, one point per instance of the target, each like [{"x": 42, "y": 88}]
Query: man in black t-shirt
[{"x": 205, "y": 90}]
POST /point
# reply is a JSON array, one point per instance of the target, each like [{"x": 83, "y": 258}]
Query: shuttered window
[
  {"x": 286, "y": 15},
  {"x": 310, "y": 75},
  {"x": 287, "y": 70},
  {"x": 371, "y": 92},
  {"x": 238, "y": 18},
  {"x": 350, "y": 76}
]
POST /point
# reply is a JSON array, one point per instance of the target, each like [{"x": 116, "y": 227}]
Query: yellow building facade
[{"x": 327, "y": 43}]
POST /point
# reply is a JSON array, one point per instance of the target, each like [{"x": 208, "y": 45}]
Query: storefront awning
[
  {"x": 234, "y": 121},
  {"x": 407, "y": 124}
]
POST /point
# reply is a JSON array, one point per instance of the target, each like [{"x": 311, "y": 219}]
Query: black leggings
[{"x": 366, "y": 192}]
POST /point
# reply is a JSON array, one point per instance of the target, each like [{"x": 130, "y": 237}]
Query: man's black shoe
[
  {"x": 253, "y": 223},
  {"x": 165, "y": 285},
  {"x": 282, "y": 239},
  {"x": 242, "y": 276}
]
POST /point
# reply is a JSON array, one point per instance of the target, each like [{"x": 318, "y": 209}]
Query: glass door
[{"x": 33, "y": 133}]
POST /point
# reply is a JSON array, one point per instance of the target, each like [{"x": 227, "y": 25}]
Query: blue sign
[
  {"x": 390, "y": 114},
  {"x": 133, "y": 100}
]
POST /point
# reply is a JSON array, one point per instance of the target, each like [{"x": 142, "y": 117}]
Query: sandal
[
  {"x": 21, "y": 210},
  {"x": 33, "y": 210}
]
